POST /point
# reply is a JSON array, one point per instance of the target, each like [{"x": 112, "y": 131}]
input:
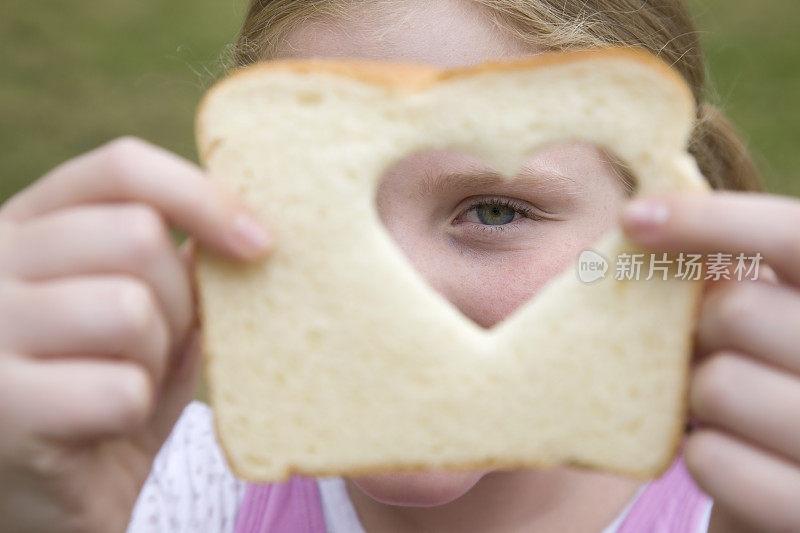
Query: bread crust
[{"x": 419, "y": 76}]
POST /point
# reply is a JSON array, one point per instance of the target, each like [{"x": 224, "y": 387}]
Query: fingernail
[
  {"x": 645, "y": 215},
  {"x": 251, "y": 233}
]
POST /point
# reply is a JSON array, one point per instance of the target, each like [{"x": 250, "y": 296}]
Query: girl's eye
[{"x": 495, "y": 214}]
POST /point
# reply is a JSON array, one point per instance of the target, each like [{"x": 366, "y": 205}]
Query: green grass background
[{"x": 78, "y": 73}]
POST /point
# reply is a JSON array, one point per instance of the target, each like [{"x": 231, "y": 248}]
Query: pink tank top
[{"x": 670, "y": 504}]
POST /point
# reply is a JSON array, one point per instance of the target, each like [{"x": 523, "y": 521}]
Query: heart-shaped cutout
[
  {"x": 335, "y": 357},
  {"x": 487, "y": 242}
]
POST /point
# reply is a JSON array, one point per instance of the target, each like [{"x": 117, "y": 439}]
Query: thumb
[{"x": 175, "y": 395}]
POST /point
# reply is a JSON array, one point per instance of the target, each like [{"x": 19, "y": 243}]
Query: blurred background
[{"x": 74, "y": 75}]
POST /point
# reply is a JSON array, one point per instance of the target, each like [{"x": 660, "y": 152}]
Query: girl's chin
[{"x": 418, "y": 489}]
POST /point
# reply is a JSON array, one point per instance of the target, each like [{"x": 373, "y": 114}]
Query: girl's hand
[
  {"x": 745, "y": 390},
  {"x": 98, "y": 351}
]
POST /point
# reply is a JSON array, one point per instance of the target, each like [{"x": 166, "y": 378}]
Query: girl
[{"x": 98, "y": 336}]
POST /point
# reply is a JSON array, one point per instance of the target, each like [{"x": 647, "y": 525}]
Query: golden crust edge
[
  {"x": 420, "y": 76},
  {"x": 463, "y": 466}
]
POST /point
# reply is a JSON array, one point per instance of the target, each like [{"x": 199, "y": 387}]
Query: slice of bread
[{"x": 333, "y": 356}]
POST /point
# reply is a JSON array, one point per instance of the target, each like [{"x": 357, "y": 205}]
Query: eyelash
[{"x": 520, "y": 208}]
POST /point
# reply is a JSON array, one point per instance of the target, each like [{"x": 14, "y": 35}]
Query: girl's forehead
[{"x": 444, "y": 33}]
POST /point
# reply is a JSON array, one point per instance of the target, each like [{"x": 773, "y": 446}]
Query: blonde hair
[{"x": 663, "y": 27}]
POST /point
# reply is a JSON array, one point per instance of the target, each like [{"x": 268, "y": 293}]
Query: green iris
[{"x": 495, "y": 215}]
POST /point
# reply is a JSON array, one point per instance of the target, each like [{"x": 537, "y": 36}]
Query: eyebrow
[{"x": 465, "y": 181}]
